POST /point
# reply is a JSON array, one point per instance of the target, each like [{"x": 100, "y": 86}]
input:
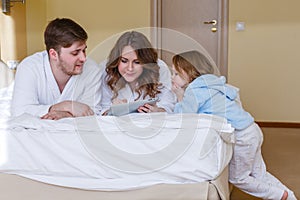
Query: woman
[{"x": 133, "y": 72}]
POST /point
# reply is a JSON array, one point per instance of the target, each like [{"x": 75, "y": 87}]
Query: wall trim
[{"x": 279, "y": 124}]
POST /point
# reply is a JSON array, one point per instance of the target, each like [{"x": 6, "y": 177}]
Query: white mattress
[{"x": 114, "y": 153}]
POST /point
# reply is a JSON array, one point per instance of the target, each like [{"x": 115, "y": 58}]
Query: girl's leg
[
  {"x": 247, "y": 169},
  {"x": 260, "y": 168}
]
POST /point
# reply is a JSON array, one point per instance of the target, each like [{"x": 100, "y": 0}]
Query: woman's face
[
  {"x": 179, "y": 79},
  {"x": 129, "y": 66}
]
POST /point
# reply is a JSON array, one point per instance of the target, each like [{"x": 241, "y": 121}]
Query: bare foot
[{"x": 284, "y": 196}]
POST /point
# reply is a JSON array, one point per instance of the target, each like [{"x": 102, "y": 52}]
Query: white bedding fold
[
  {"x": 117, "y": 153},
  {"x": 156, "y": 120}
]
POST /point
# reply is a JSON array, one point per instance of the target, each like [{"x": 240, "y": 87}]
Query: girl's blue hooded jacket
[{"x": 210, "y": 94}]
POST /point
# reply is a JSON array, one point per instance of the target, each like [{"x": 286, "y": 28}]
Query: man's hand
[
  {"x": 56, "y": 115},
  {"x": 76, "y": 109},
  {"x": 80, "y": 109}
]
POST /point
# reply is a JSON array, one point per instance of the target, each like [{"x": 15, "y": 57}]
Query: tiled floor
[{"x": 281, "y": 151}]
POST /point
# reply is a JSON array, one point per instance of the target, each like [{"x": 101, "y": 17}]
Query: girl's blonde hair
[{"x": 194, "y": 64}]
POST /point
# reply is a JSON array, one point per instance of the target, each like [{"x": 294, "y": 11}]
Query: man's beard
[{"x": 65, "y": 68}]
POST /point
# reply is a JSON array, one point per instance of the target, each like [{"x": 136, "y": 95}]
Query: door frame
[{"x": 222, "y": 54}]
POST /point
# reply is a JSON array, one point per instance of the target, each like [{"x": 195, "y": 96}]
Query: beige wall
[
  {"x": 264, "y": 59},
  {"x": 36, "y": 20},
  {"x": 13, "y": 33},
  {"x": 12, "y": 41},
  {"x": 100, "y": 18}
]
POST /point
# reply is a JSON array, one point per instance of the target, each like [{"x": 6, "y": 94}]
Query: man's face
[{"x": 71, "y": 59}]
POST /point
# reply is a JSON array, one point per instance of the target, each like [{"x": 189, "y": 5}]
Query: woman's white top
[{"x": 166, "y": 98}]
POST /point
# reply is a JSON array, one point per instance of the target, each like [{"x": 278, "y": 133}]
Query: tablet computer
[{"x": 131, "y": 107}]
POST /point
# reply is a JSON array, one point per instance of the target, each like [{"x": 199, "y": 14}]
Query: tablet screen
[{"x": 126, "y": 108}]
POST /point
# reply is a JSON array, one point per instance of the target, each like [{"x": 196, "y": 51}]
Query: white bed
[{"x": 137, "y": 156}]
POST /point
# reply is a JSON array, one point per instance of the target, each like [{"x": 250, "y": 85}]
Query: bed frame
[{"x": 14, "y": 187}]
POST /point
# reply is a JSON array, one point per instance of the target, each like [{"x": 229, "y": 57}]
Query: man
[{"x": 60, "y": 81}]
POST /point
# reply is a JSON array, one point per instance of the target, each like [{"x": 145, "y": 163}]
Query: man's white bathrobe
[{"x": 36, "y": 90}]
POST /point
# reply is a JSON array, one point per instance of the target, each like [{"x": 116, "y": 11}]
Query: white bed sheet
[{"x": 115, "y": 153}]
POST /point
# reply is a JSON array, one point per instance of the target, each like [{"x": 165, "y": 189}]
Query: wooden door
[{"x": 204, "y": 21}]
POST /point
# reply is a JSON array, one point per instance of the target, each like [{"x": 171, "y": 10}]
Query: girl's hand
[
  {"x": 178, "y": 91},
  {"x": 147, "y": 108}
]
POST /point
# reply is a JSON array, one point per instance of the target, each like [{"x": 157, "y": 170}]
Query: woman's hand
[
  {"x": 119, "y": 101},
  {"x": 147, "y": 108},
  {"x": 105, "y": 113}
]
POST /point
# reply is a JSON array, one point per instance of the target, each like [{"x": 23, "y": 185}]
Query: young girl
[
  {"x": 134, "y": 72},
  {"x": 200, "y": 90}
]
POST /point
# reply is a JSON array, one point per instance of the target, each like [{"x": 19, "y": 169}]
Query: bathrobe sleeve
[{"x": 28, "y": 88}]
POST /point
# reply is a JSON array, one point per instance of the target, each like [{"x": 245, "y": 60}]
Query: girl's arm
[{"x": 189, "y": 104}]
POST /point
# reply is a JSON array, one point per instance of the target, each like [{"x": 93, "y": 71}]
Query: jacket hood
[{"x": 216, "y": 83}]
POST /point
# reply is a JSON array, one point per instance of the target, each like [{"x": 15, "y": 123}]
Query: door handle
[{"x": 213, "y": 22}]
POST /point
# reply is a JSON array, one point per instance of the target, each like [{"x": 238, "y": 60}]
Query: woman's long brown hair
[{"x": 148, "y": 81}]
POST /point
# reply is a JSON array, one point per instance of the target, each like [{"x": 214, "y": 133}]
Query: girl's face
[
  {"x": 179, "y": 79},
  {"x": 129, "y": 66}
]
